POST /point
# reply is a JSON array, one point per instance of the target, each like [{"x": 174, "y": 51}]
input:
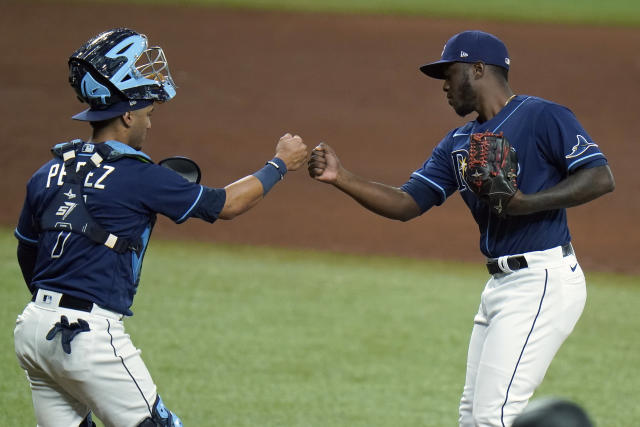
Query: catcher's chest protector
[{"x": 68, "y": 211}]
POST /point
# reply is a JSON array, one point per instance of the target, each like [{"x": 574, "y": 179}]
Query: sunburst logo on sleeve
[{"x": 462, "y": 164}]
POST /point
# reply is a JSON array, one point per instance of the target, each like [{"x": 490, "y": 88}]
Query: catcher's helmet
[
  {"x": 553, "y": 412},
  {"x": 117, "y": 66}
]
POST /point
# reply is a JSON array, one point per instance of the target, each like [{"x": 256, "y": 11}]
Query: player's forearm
[
  {"x": 245, "y": 193},
  {"x": 382, "y": 199},
  {"x": 581, "y": 187},
  {"x": 242, "y": 195}
]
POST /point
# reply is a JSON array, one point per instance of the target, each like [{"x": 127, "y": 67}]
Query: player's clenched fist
[
  {"x": 324, "y": 164},
  {"x": 292, "y": 151}
]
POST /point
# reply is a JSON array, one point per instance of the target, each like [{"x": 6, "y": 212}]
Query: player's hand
[
  {"x": 324, "y": 164},
  {"x": 292, "y": 151}
]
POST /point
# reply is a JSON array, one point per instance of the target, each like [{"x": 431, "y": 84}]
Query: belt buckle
[{"x": 506, "y": 264}]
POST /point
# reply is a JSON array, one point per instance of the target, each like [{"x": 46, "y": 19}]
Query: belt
[
  {"x": 519, "y": 261},
  {"x": 68, "y": 301}
]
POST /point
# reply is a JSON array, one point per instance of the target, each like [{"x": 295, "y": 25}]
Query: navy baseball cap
[
  {"x": 469, "y": 46},
  {"x": 98, "y": 114}
]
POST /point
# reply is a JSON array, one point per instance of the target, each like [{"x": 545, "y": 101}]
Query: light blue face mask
[{"x": 143, "y": 67}]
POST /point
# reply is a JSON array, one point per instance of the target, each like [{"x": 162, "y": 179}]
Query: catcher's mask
[{"x": 116, "y": 66}]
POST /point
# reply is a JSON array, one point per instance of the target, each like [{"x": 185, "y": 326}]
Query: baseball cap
[
  {"x": 98, "y": 114},
  {"x": 469, "y": 46}
]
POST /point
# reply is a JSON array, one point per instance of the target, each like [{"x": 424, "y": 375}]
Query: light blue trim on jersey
[
  {"x": 444, "y": 193},
  {"x": 486, "y": 238},
  {"x": 115, "y": 145},
  {"x": 583, "y": 159},
  {"x": 511, "y": 113},
  {"x": 23, "y": 237},
  {"x": 125, "y": 149},
  {"x": 460, "y": 134},
  {"x": 136, "y": 261},
  {"x": 59, "y": 145},
  {"x": 186, "y": 214},
  {"x": 486, "y": 243}
]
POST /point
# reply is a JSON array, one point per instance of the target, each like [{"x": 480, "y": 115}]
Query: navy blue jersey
[
  {"x": 124, "y": 197},
  {"x": 550, "y": 144}
]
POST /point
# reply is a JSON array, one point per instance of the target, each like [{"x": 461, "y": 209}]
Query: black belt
[
  {"x": 519, "y": 262},
  {"x": 74, "y": 303}
]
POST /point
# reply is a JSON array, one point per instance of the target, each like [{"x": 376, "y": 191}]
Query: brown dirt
[{"x": 247, "y": 77}]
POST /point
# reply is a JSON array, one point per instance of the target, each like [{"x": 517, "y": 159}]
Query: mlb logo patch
[
  {"x": 47, "y": 299},
  {"x": 88, "y": 148}
]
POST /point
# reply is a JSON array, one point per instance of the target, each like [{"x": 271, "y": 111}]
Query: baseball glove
[
  {"x": 491, "y": 170},
  {"x": 184, "y": 166}
]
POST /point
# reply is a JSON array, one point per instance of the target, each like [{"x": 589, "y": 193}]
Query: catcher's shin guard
[
  {"x": 161, "y": 417},
  {"x": 87, "y": 422}
]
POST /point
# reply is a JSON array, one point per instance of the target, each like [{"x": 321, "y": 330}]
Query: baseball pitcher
[
  {"x": 518, "y": 165},
  {"x": 84, "y": 230}
]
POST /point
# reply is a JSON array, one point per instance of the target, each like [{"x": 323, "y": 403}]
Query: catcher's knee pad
[{"x": 161, "y": 417}]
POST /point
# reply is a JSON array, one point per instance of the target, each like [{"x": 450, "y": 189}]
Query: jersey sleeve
[
  {"x": 564, "y": 141},
  {"x": 165, "y": 192},
  {"x": 27, "y": 231},
  {"x": 210, "y": 204},
  {"x": 435, "y": 181}
]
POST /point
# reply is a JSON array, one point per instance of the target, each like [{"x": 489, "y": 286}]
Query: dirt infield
[{"x": 245, "y": 78}]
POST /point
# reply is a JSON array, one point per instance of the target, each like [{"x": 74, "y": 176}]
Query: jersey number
[{"x": 57, "y": 250}]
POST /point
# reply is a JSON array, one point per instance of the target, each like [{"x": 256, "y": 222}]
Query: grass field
[
  {"x": 241, "y": 336},
  {"x": 614, "y": 12}
]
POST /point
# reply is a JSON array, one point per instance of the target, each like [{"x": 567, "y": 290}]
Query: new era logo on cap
[{"x": 469, "y": 46}]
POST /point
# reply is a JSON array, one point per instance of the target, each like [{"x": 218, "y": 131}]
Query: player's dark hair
[{"x": 98, "y": 126}]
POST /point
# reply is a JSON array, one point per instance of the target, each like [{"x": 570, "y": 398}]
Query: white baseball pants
[
  {"x": 523, "y": 319},
  {"x": 104, "y": 372}
]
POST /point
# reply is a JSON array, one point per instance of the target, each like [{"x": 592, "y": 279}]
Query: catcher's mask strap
[{"x": 184, "y": 167}]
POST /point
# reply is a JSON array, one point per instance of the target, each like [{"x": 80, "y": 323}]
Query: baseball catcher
[
  {"x": 492, "y": 168},
  {"x": 84, "y": 230}
]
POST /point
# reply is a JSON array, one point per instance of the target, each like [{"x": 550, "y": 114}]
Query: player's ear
[
  {"x": 478, "y": 69},
  {"x": 126, "y": 119}
]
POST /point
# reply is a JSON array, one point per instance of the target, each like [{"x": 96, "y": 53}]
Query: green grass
[
  {"x": 242, "y": 336},
  {"x": 614, "y": 12}
]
